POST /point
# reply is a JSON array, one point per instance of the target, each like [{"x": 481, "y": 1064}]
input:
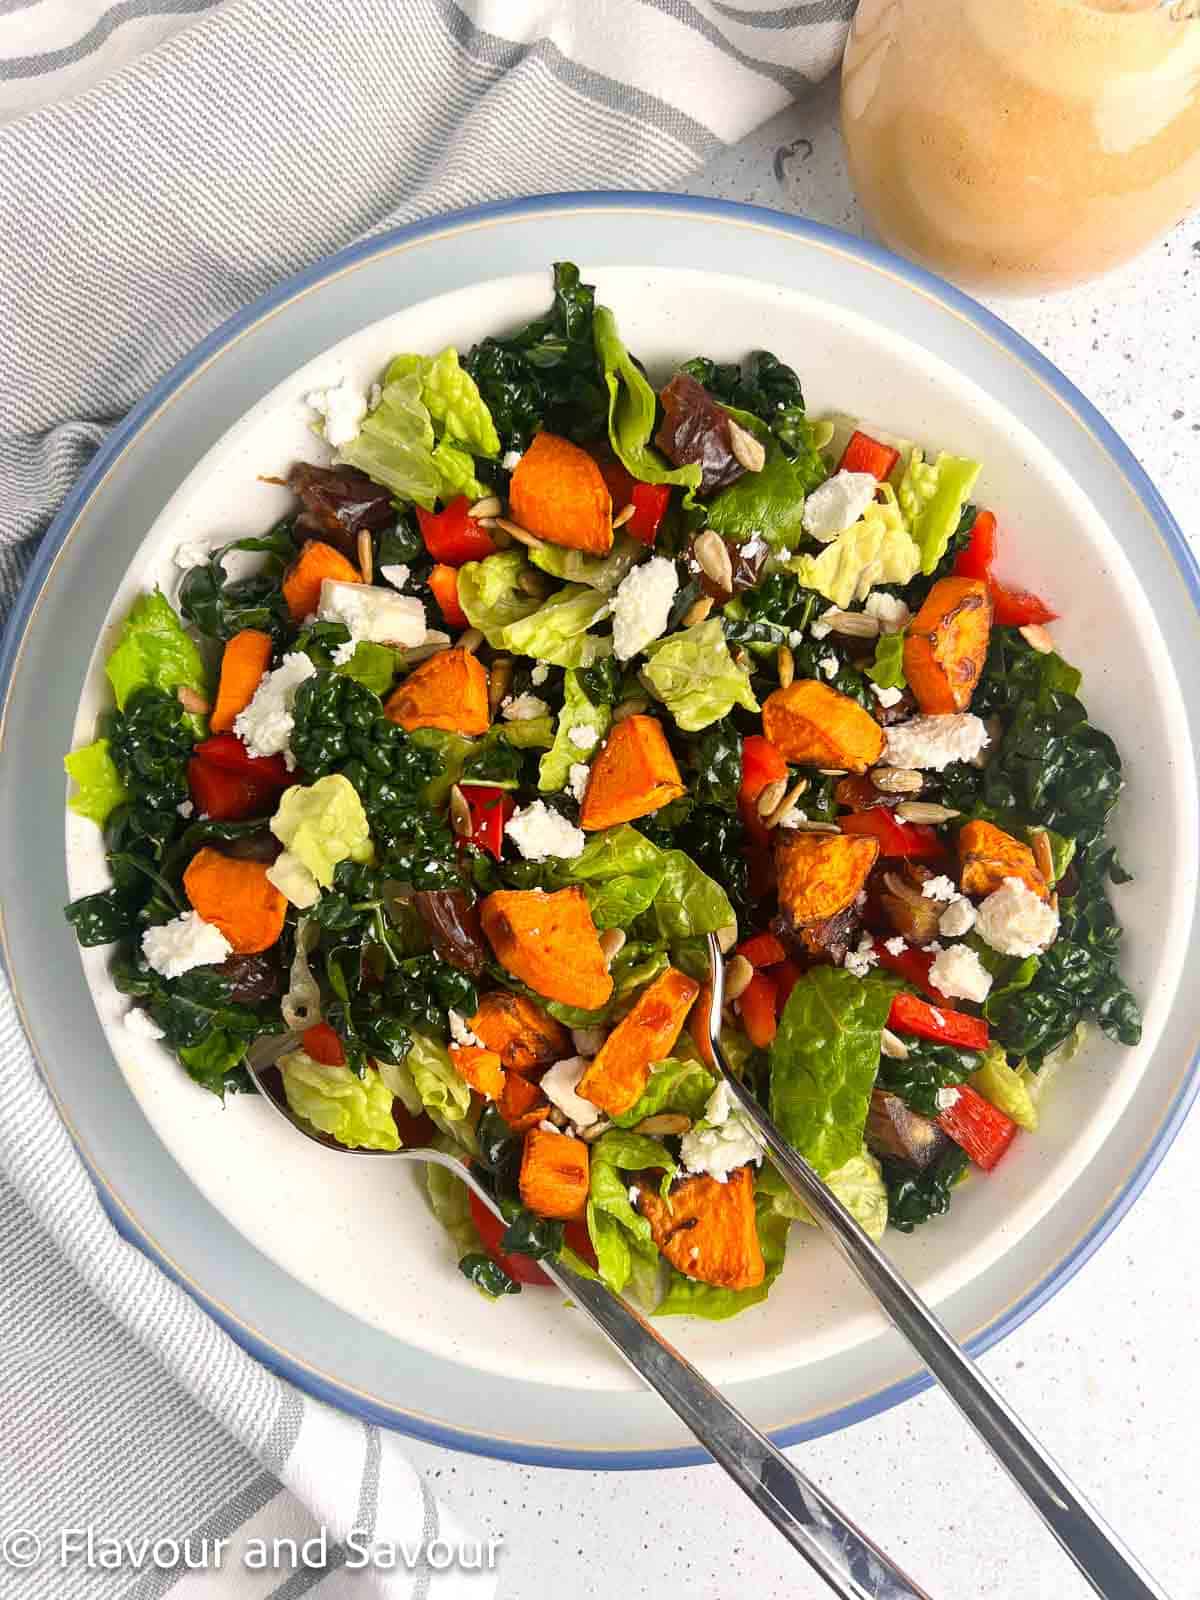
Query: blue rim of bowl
[{"x": 938, "y": 289}]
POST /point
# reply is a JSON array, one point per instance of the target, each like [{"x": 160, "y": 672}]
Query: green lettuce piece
[
  {"x": 153, "y": 650},
  {"x": 858, "y": 1185},
  {"x": 455, "y": 470},
  {"x": 598, "y": 572},
  {"x": 769, "y": 503},
  {"x": 632, "y": 405},
  {"x": 695, "y": 677},
  {"x": 577, "y": 712},
  {"x": 1037, "y": 1082},
  {"x": 356, "y": 1111},
  {"x": 394, "y": 445},
  {"x": 689, "y": 903},
  {"x": 877, "y": 549},
  {"x": 400, "y": 1081},
  {"x": 452, "y": 750},
  {"x": 100, "y": 789},
  {"x": 449, "y": 1200},
  {"x": 688, "y": 1297},
  {"x": 620, "y": 871},
  {"x": 450, "y": 396},
  {"x": 558, "y": 630},
  {"x": 673, "y": 1085},
  {"x": 444, "y": 1093},
  {"x": 626, "y": 1254},
  {"x": 637, "y": 964},
  {"x": 373, "y": 665},
  {"x": 1004, "y": 1086},
  {"x": 489, "y": 592},
  {"x": 323, "y": 823},
  {"x": 932, "y": 495},
  {"x": 823, "y": 1063},
  {"x": 528, "y": 733},
  {"x": 887, "y": 669}
]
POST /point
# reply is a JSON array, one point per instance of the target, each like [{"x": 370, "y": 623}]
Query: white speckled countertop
[{"x": 1107, "y": 1372}]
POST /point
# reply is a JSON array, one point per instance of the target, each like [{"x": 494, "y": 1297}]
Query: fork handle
[{"x": 852, "y": 1565}]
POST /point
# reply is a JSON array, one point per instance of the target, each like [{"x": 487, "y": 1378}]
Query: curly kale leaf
[
  {"x": 926, "y": 1069},
  {"x": 764, "y": 385},
  {"x": 221, "y": 606},
  {"x": 914, "y": 1197}
]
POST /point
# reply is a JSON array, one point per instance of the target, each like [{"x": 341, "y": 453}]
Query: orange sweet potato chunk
[
  {"x": 820, "y": 874},
  {"x": 634, "y": 774},
  {"x": 708, "y": 1230},
  {"x": 554, "y": 1175},
  {"x": 244, "y": 660},
  {"x": 521, "y": 1104},
  {"x": 811, "y": 723},
  {"x": 616, "y": 1078},
  {"x": 237, "y": 897},
  {"x": 947, "y": 643},
  {"x": 520, "y": 1032},
  {"x": 316, "y": 562},
  {"x": 987, "y": 855},
  {"x": 559, "y": 493},
  {"x": 448, "y": 691},
  {"x": 550, "y": 942},
  {"x": 481, "y": 1069}
]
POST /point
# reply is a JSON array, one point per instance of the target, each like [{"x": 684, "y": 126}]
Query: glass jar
[{"x": 1023, "y": 145}]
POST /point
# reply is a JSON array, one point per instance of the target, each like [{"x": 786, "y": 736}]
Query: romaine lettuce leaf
[
  {"x": 323, "y": 823},
  {"x": 620, "y": 871},
  {"x": 489, "y": 593},
  {"x": 689, "y": 1297},
  {"x": 695, "y": 677},
  {"x": 769, "y": 503},
  {"x": 356, "y": 1111},
  {"x": 887, "y": 669},
  {"x": 996, "y": 1081},
  {"x": 858, "y": 1185},
  {"x": 450, "y": 396},
  {"x": 577, "y": 712},
  {"x": 372, "y": 665},
  {"x": 673, "y": 1085},
  {"x": 444, "y": 1093},
  {"x": 558, "y": 630},
  {"x": 689, "y": 903},
  {"x": 100, "y": 789},
  {"x": 626, "y": 1254},
  {"x": 823, "y": 1063},
  {"x": 631, "y": 410},
  {"x": 877, "y": 549},
  {"x": 636, "y": 964},
  {"x": 154, "y": 650},
  {"x": 598, "y": 572},
  {"x": 932, "y": 495},
  {"x": 449, "y": 1200},
  {"x": 394, "y": 445}
]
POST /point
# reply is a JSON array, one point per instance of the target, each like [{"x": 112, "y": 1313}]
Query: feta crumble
[
  {"x": 265, "y": 726},
  {"x": 397, "y": 574},
  {"x": 957, "y": 919},
  {"x": 539, "y": 832},
  {"x": 583, "y": 737},
  {"x": 511, "y": 460},
  {"x": 792, "y": 818},
  {"x": 934, "y": 742},
  {"x": 539, "y": 674},
  {"x": 1017, "y": 922},
  {"x": 344, "y": 653},
  {"x": 829, "y": 665},
  {"x": 548, "y": 1127},
  {"x": 379, "y": 615},
  {"x": 577, "y": 779},
  {"x": 887, "y": 697},
  {"x": 958, "y": 972},
  {"x": 143, "y": 1024},
  {"x": 947, "y": 1098},
  {"x": 642, "y": 605},
  {"x": 891, "y": 611},
  {"x": 190, "y": 555},
  {"x": 941, "y": 888},
  {"x": 523, "y": 708},
  {"x": 861, "y": 960},
  {"x": 896, "y": 946},
  {"x": 185, "y": 808},
  {"x": 559, "y": 1085},
  {"x": 723, "y": 1141},
  {"x": 341, "y": 410},
  {"x": 818, "y": 627},
  {"x": 838, "y": 504},
  {"x": 187, "y": 941},
  {"x": 461, "y": 1033}
]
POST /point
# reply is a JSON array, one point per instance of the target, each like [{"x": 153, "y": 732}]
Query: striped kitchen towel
[{"x": 162, "y": 164}]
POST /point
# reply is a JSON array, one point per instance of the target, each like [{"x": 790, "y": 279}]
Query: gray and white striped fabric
[{"x": 162, "y": 163}]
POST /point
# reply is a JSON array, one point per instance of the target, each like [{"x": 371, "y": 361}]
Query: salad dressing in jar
[{"x": 1023, "y": 144}]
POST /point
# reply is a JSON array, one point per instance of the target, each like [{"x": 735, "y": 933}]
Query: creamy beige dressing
[{"x": 1023, "y": 144}]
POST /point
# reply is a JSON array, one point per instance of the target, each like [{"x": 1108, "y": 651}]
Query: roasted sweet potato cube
[
  {"x": 481, "y": 1069},
  {"x": 947, "y": 643},
  {"x": 905, "y": 1135},
  {"x": 519, "y": 1031},
  {"x": 708, "y": 1230},
  {"x": 448, "y": 691},
  {"x": 820, "y": 874},
  {"x": 558, "y": 492},
  {"x": 811, "y": 723},
  {"x": 554, "y": 1175},
  {"x": 303, "y": 579},
  {"x": 634, "y": 774},
  {"x": 987, "y": 855},
  {"x": 616, "y": 1078},
  {"x": 550, "y": 942},
  {"x": 521, "y": 1104}
]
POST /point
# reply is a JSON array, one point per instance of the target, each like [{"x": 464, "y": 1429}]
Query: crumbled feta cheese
[
  {"x": 941, "y": 888},
  {"x": 397, "y": 574},
  {"x": 511, "y": 460},
  {"x": 577, "y": 779},
  {"x": 587, "y": 1041},
  {"x": 782, "y": 556},
  {"x": 958, "y": 972},
  {"x": 583, "y": 737},
  {"x": 896, "y": 946},
  {"x": 723, "y": 1141},
  {"x": 461, "y": 1033},
  {"x": 344, "y": 653},
  {"x": 635, "y": 1194},
  {"x": 887, "y": 697},
  {"x": 370, "y": 612},
  {"x": 433, "y": 641},
  {"x": 829, "y": 665},
  {"x": 818, "y": 627},
  {"x": 539, "y": 674},
  {"x": 265, "y": 726},
  {"x": 539, "y": 832},
  {"x": 719, "y": 1105},
  {"x": 934, "y": 742},
  {"x": 796, "y": 637},
  {"x": 754, "y": 547},
  {"x": 837, "y": 504},
  {"x": 642, "y": 605},
  {"x": 1016, "y": 921},
  {"x": 947, "y": 1097},
  {"x": 523, "y": 708},
  {"x": 187, "y": 941},
  {"x": 548, "y": 1127},
  {"x": 143, "y": 1024},
  {"x": 792, "y": 818},
  {"x": 341, "y": 410},
  {"x": 957, "y": 919},
  {"x": 891, "y": 611},
  {"x": 190, "y": 555},
  {"x": 185, "y": 808},
  {"x": 559, "y": 1084},
  {"x": 861, "y": 960}
]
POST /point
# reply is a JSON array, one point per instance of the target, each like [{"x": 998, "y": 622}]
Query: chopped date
[
  {"x": 454, "y": 928},
  {"x": 338, "y": 503},
  {"x": 696, "y": 428}
]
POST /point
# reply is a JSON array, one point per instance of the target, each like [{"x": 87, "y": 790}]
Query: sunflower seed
[
  {"x": 366, "y": 555},
  {"x": 1036, "y": 637},
  {"x": 892, "y": 1046},
  {"x": 191, "y": 701},
  {"x": 897, "y": 780},
  {"x": 460, "y": 813},
  {"x": 832, "y": 772},
  {"x": 630, "y": 708},
  {"x": 738, "y": 974},
  {"x": 623, "y": 516},
  {"x": 666, "y": 1122},
  {"x": 612, "y": 942},
  {"x": 521, "y": 535},
  {"x": 854, "y": 624},
  {"x": 600, "y": 1126},
  {"x": 470, "y": 641},
  {"x": 489, "y": 506},
  {"x": 770, "y": 795},
  {"x": 499, "y": 682},
  {"x": 785, "y": 665},
  {"x": 712, "y": 553},
  {"x": 1042, "y": 854},
  {"x": 727, "y": 937},
  {"x": 746, "y": 448},
  {"x": 774, "y": 818},
  {"x": 925, "y": 811},
  {"x": 812, "y": 827},
  {"x": 698, "y": 611},
  {"x": 532, "y": 583}
]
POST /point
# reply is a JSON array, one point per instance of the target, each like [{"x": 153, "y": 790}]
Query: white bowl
[{"x": 332, "y": 1269}]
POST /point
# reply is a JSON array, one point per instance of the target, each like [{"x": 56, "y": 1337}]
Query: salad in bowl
[{"x": 428, "y": 798}]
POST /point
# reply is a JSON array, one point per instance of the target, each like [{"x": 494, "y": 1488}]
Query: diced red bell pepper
[
  {"x": 976, "y": 560},
  {"x": 785, "y": 977},
  {"x": 978, "y": 1127},
  {"x": 524, "y": 1269},
  {"x": 1017, "y": 608},
  {"x": 649, "y": 500},
  {"x": 226, "y": 750},
  {"x": 490, "y": 809},
  {"x": 323, "y": 1045},
  {"x": 762, "y": 950},
  {"x": 911, "y": 840},
  {"x": 912, "y": 964},
  {"x": 756, "y": 1005},
  {"x": 443, "y": 580},
  {"x": 452, "y": 536},
  {"x": 228, "y": 796},
  {"x": 762, "y": 764},
  {"x": 864, "y": 454},
  {"x": 937, "y": 1023}
]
